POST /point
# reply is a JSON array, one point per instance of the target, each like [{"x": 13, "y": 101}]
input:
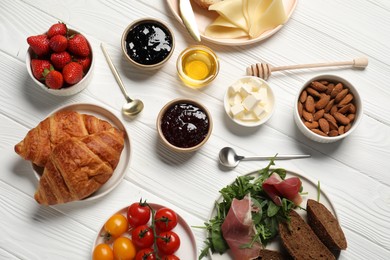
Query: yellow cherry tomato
[
  {"x": 116, "y": 225},
  {"x": 102, "y": 252},
  {"x": 124, "y": 249}
]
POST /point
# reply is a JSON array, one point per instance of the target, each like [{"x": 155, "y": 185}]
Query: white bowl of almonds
[
  {"x": 327, "y": 108},
  {"x": 249, "y": 101}
]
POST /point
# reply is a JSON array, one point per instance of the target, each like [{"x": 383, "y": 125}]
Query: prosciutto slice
[
  {"x": 277, "y": 188},
  {"x": 238, "y": 229}
]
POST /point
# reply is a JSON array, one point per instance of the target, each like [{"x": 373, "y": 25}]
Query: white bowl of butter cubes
[{"x": 249, "y": 101}]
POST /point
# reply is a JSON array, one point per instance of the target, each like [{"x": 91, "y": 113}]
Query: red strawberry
[
  {"x": 85, "y": 62},
  {"x": 53, "y": 79},
  {"x": 37, "y": 68},
  {"x": 39, "y": 44},
  {"x": 60, "y": 59},
  {"x": 58, "y": 43},
  {"x": 57, "y": 29},
  {"x": 78, "y": 45},
  {"x": 72, "y": 72}
]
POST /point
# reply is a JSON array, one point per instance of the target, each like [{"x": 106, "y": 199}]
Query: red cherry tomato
[
  {"x": 145, "y": 254},
  {"x": 138, "y": 214},
  {"x": 165, "y": 219},
  {"x": 168, "y": 242},
  {"x": 142, "y": 236},
  {"x": 170, "y": 257}
]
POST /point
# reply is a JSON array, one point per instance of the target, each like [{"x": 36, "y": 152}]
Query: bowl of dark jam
[
  {"x": 148, "y": 43},
  {"x": 184, "y": 125}
]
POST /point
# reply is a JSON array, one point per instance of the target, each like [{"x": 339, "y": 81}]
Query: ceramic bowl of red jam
[
  {"x": 184, "y": 125},
  {"x": 148, "y": 43}
]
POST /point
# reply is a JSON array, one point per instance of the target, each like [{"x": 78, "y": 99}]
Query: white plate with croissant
[
  {"x": 238, "y": 22},
  {"x": 79, "y": 152}
]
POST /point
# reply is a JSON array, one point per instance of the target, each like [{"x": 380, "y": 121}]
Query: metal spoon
[
  {"x": 132, "y": 107},
  {"x": 229, "y": 158}
]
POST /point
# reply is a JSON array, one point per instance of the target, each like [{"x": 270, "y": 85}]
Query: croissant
[
  {"x": 78, "y": 167},
  {"x": 39, "y": 141}
]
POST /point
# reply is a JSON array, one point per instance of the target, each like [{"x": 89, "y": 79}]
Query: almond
[
  {"x": 319, "y": 132},
  {"x": 303, "y": 96},
  {"x": 341, "y": 130},
  {"x": 319, "y": 114},
  {"x": 333, "y": 109},
  {"x": 300, "y": 108},
  {"x": 307, "y": 115},
  {"x": 330, "y": 88},
  {"x": 347, "y": 127},
  {"x": 352, "y": 109},
  {"x": 346, "y": 100},
  {"x": 324, "y": 100},
  {"x": 309, "y": 104},
  {"x": 324, "y": 125},
  {"x": 332, "y": 125},
  {"x": 312, "y": 125},
  {"x": 329, "y": 105},
  {"x": 336, "y": 90},
  {"x": 313, "y": 92},
  {"x": 351, "y": 117},
  {"x": 329, "y": 117},
  {"x": 341, "y": 118},
  {"x": 344, "y": 109},
  {"x": 318, "y": 86},
  {"x": 333, "y": 132},
  {"x": 341, "y": 95}
]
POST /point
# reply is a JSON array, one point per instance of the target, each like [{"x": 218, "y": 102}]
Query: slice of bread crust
[
  {"x": 326, "y": 226},
  {"x": 300, "y": 240},
  {"x": 266, "y": 254}
]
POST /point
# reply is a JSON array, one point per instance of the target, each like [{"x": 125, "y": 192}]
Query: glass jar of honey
[{"x": 197, "y": 66}]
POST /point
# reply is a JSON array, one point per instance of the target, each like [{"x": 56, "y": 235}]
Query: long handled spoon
[
  {"x": 131, "y": 107},
  {"x": 229, "y": 158},
  {"x": 264, "y": 70}
]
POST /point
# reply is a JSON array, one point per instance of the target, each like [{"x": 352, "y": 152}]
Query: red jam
[
  {"x": 148, "y": 43},
  {"x": 185, "y": 125}
]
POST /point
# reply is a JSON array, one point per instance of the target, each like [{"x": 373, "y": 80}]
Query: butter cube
[
  {"x": 255, "y": 84},
  {"x": 233, "y": 89},
  {"x": 248, "y": 116},
  {"x": 245, "y": 90},
  {"x": 263, "y": 93},
  {"x": 235, "y": 99},
  {"x": 250, "y": 102},
  {"x": 259, "y": 111},
  {"x": 237, "y": 110}
]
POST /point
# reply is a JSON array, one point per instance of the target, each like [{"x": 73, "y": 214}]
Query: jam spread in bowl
[
  {"x": 148, "y": 43},
  {"x": 184, "y": 125}
]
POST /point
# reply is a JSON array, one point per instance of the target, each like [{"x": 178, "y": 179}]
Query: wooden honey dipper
[{"x": 263, "y": 70}]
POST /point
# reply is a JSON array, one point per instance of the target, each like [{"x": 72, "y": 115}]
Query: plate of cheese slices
[{"x": 238, "y": 22}]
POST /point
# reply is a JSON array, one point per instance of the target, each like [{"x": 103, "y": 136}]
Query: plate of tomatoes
[{"x": 144, "y": 231}]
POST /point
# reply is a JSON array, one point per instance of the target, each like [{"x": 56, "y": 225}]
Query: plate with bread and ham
[
  {"x": 238, "y": 22},
  {"x": 78, "y": 152},
  {"x": 273, "y": 213}
]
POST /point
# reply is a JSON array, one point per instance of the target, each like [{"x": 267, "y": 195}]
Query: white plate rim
[
  {"x": 289, "y": 6},
  {"x": 289, "y": 173},
  {"x": 181, "y": 224},
  {"x": 120, "y": 171}
]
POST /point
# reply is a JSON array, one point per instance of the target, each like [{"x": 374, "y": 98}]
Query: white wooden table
[{"x": 353, "y": 172}]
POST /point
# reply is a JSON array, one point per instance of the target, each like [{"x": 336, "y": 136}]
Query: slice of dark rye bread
[
  {"x": 266, "y": 254},
  {"x": 325, "y": 226},
  {"x": 300, "y": 240}
]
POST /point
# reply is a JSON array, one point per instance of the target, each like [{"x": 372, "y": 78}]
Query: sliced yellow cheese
[
  {"x": 223, "y": 29},
  {"x": 266, "y": 16},
  {"x": 232, "y": 11}
]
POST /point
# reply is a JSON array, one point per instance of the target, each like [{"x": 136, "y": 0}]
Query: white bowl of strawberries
[{"x": 60, "y": 61}]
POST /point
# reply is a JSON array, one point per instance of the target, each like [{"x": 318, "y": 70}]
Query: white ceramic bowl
[
  {"x": 160, "y": 121},
  {"x": 356, "y": 100},
  {"x": 67, "y": 91},
  {"x": 269, "y": 102}
]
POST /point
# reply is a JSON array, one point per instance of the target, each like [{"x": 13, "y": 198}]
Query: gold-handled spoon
[
  {"x": 133, "y": 106},
  {"x": 264, "y": 70}
]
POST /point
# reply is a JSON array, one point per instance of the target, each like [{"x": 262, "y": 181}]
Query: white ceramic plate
[
  {"x": 309, "y": 186},
  {"x": 187, "y": 249},
  {"x": 204, "y": 18},
  {"x": 123, "y": 165}
]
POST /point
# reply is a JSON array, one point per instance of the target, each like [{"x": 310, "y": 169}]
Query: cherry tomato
[
  {"x": 168, "y": 242},
  {"x": 142, "y": 236},
  {"x": 102, "y": 252},
  {"x": 138, "y": 214},
  {"x": 165, "y": 219},
  {"x": 124, "y": 249},
  {"x": 170, "y": 257},
  {"x": 115, "y": 226},
  {"x": 145, "y": 254}
]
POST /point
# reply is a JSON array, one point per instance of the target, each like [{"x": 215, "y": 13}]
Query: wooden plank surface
[{"x": 353, "y": 172}]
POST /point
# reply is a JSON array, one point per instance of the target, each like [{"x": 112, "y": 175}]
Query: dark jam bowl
[
  {"x": 148, "y": 43},
  {"x": 184, "y": 125}
]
